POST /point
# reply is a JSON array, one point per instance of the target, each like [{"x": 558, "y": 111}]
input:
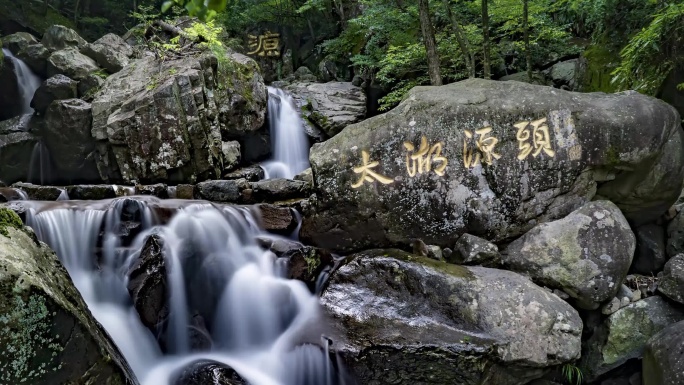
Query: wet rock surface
[
  {"x": 49, "y": 335},
  {"x": 460, "y": 159},
  {"x": 58, "y": 87},
  {"x": 16, "y": 147},
  {"x": 672, "y": 281},
  {"x": 432, "y": 322},
  {"x": 206, "y": 372}
]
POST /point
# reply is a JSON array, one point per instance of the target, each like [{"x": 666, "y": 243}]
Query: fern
[{"x": 573, "y": 374}]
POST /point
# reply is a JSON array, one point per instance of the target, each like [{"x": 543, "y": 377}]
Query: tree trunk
[
  {"x": 526, "y": 27},
  {"x": 485, "y": 40},
  {"x": 462, "y": 41},
  {"x": 430, "y": 44},
  {"x": 76, "y": 13}
]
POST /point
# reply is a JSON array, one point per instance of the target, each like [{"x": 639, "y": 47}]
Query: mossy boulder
[
  {"x": 47, "y": 334},
  {"x": 402, "y": 319},
  {"x": 491, "y": 159},
  {"x": 586, "y": 254},
  {"x": 624, "y": 334},
  {"x": 164, "y": 122}
]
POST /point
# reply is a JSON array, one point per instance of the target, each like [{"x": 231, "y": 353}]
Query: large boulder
[
  {"x": 492, "y": 159},
  {"x": 48, "y": 335},
  {"x": 58, "y": 87},
  {"x": 205, "y": 372},
  {"x": 624, "y": 334},
  {"x": 16, "y": 148},
  {"x": 147, "y": 283},
  {"x": 71, "y": 63},
  {"x": 330, "y": 106},
  {"x": 110, "y": 51},
  {"x": 422, "y": 321},
  {"x": 672, "y": 281},
  {"x": 586, "y": 254},
  {"x": 59, "y": 37},
  {"x": 67, "y": 137},
  {"x": 663, "y": 362},
  {"x": 649, "y": 255},
  {"x": 165, "y": 121},
  {"x": 18, "y": 41}
]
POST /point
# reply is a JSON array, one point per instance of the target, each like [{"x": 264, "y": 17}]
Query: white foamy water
[
  {"x": 290, "y": 144},
  {"x": 27, "y": 81},
  {"x": 258, "y": 322}
]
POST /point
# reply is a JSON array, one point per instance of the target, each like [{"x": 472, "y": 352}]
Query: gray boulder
[
  {"x": 35, "y": 56},
  {"x": 16, "y": 147},
  {"x": 331, "y": 106},
  {"x": 39, "y": 193},
  {"x": 222, "y": 191},
  {"x": 71, "y": 63},
  {"x": 472, "y": 250},
  {"x": 231, "y": 155},
  {"x": 250, "y": 173},
  {"x": 48, "y": 334},
  {"x": 18, "y": 41},
  {"x": 67, "y": 137},
  {"x": 88, "y": 86},
  {"x": 404, "y": 320},
  {"x": 663, "y": 362},
  {"x": 59, "y": 37},
  {"x": 58, "y": 87},
  {"x": 566, "y": 74},
  {"x": 163, "y": 122},
  {"x": 110, "y": 51},
  {"x": 147, "y": 283},
  {"x": 672, "y": 282},
  {"x": 586, "y": 254},
  {"x": 461, "y": 158},
  {"x": 675, "y": 235},
  {"x": 623, "y": 335}
]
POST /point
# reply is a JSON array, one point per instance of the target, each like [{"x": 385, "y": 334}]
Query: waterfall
[
  {"x": 27, "y": 81},
  {"x": 289, "y": 142},
  {"x": 259, "y": 323}
]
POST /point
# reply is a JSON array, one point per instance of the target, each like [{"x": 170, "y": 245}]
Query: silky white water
[
  {"x": 27, "y": 81},
  {"x": 290, "y": 145},
  {"x": 257, "y": 321}
]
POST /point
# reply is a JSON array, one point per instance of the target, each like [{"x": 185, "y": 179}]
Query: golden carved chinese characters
[
  {"x": 485, "y": 147},
  {"x": 541, "y": 141},
  {"x": 368, "y": 175},
  {"x": 266, "y": 44},
  {"x": 421, "y": 161}
]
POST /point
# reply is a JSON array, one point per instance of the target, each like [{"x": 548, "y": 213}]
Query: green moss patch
[{"x": 9, "y": 218}]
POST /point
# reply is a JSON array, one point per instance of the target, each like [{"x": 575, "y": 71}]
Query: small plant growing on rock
[{"x": 572, "y": 374}]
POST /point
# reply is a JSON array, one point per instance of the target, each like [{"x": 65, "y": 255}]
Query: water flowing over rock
[
  {"x": 492, "y": 159},
  {"x": 330, "y": 106},
  {"x": 16, "y": 146},
  {"x": 26, "y": 84},
  {"x": 624, "y": 334},
  {"x": 403, "y": 319},
  {"x": 663, "y": 362},
  {"x": 587, "y": 254},
  {"x": 165, "y": 122},
  {"x": 48, "y": 336}
]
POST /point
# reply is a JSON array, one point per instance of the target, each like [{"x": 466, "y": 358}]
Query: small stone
[
  {"x": 624, "y": 292},
  {"x": 624, "y": 302},
  {"x": 435, "y": 252},
  {"x": 447, "y": 253},
  {"x": 231, "y": 155},
  {"x": 472, "y": 250},
  {"x": 611, "y": 307},
  {"x": 636, "y": 295},
  {"x": 185, "y": 191}
]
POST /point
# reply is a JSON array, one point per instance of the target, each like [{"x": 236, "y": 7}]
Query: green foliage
[
  {"x": 653, "y": 52},
  {"x": 9, "y": 218},
  {"x": 205, "y": 10},
  {"x": 572, "y": 374}
]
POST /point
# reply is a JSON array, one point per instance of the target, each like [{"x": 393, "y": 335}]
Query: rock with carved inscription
[{"x": 492, "y": 159}]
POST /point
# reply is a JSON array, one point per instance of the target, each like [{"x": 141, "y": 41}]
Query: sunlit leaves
[{"x": 202, "y": 9}]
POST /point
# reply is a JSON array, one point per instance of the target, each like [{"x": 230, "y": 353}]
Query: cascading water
[
  {"x": 290, "y": 144},
  {"x": 27, "y": 81},
  {"x": 258, "y": 322}
]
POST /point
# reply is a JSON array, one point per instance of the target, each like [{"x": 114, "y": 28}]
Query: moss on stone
[
  {"x": 9, "y": 218},
  {"x": 601, "y": 61}
]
